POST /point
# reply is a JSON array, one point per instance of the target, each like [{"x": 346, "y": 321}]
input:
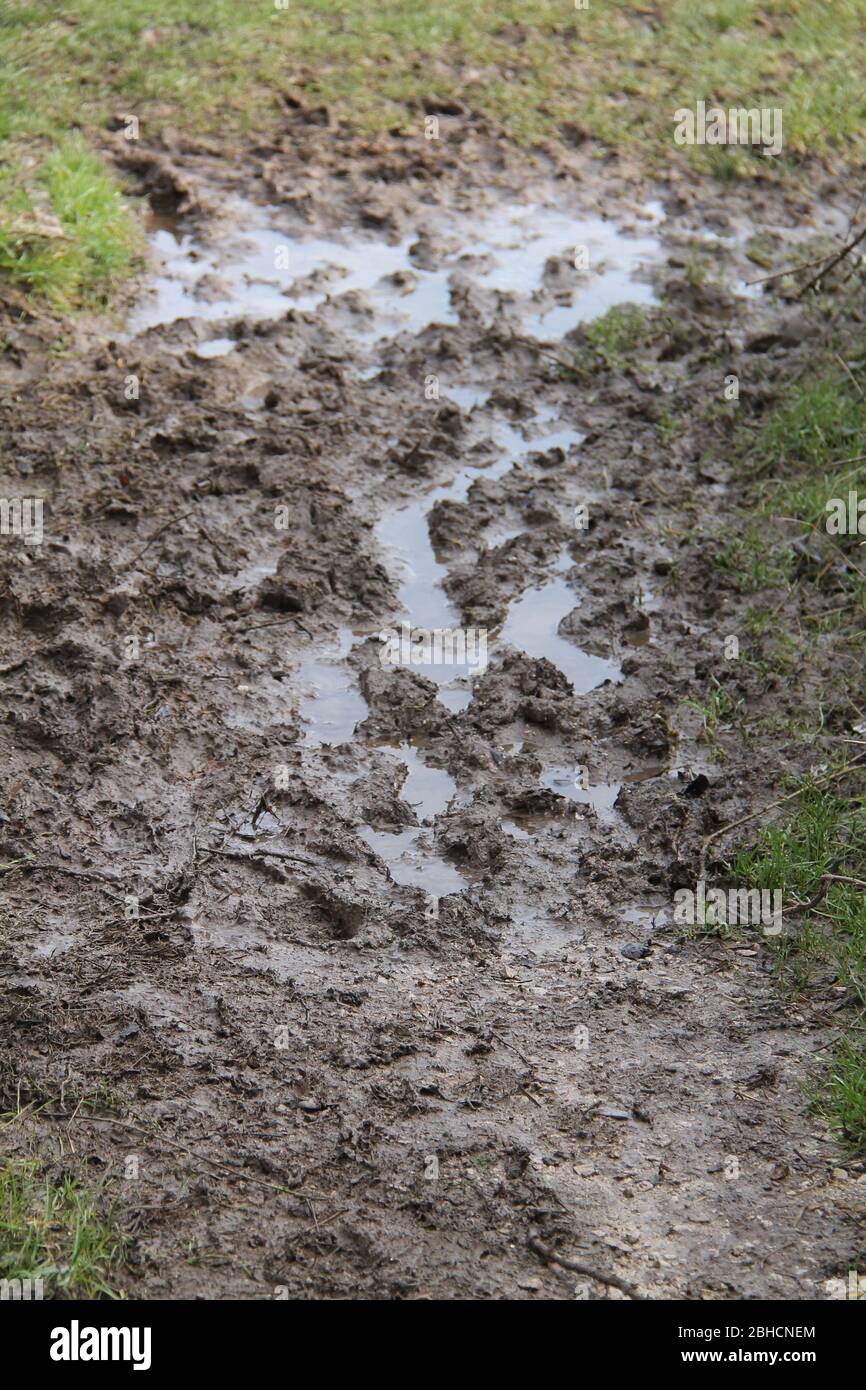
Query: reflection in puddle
[
  {"x": 602, "y": 796},
  {"x": 411, "y": 863},
  {"x": 331, "y": 704},
  {"x": 467, "y": 397},
  {"x": 258, "y": 271},
  {"x": 532, "y": 626},
  {"x": 455, "y": 697},
  {"x": 215, "y": 347},
  {"x": 515, "y": 252},
  {"x": 515, "y": 830},
  {"x": 428, "y": 790}
]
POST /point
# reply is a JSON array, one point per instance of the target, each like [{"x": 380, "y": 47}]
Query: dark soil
[{"x": 335, "y": 1084}]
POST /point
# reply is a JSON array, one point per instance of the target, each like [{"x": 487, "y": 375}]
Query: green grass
[
  {"x": 618, "y": 68},
  {"x": 718, "y": 712},
  {"x": 609, "y": 342},
  {"x": 67, "y": 234},
  {"x": 825, "y": 835},
  {"x": 843, "y": 1098},
  {"x": 808, "y": 451},
  {"x": 811, "y": 446},
  {"x": 804, "y": 452},
  {"x": 56, "y": 1233},
  {"x": 755, "y": 561},
  {"x": 615, "y": 73}
]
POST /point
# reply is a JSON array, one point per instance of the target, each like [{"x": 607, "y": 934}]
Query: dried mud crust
[{"x": 285, "y": 1037}]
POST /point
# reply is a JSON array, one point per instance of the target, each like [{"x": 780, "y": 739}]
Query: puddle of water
[
  {"x": 260, "y": 271},
  {"x": 428, "y": 790},
  {"x": 410, "y": 863},
  {"x": 522, "y": 238},
  {"x": 331, "y": 704},
  {"x": 497, "y": 536},
  {"x": 215, "y": 347},
  {"x": 467, "y": 397},
  {"x": 532, "y": 626},
  {"x": 649, "y": 919},
  {"x": 405, "y": 533},
  {"x": 516, "y": 830},
  {"x": 601, "y": 797},
  {"x": 455, "y": 697}
]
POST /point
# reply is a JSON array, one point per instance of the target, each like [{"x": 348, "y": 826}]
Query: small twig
[
  {"x": 258, "y": 854},
  {"x": 846, "y": 251},
  {"x": 843, "y": 878},
  {"x": 814, "y": 901},
  {"x": 855, "y": 382},
  {"x": 743, "y": 820},
  {"x": 578, "y": 1267},
  {"x": 309, "y": 1230},
  {"x": 156, "y": 535},
  {"x": 789, "y": 270}
]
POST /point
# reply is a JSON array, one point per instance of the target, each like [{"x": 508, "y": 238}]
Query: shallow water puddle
[
  {"x": 553, "y": 270},
  {"x": 215, "y": 347},
  {"x": 412, "y": 862},
  {"x": 331, "y": 704},
  {"x": 409, "y": 853},
  {"x": 600, "y": 796},
  {"x": 332, "y": 707},
  {"x": 257, "y": 271},
  {"x": 467, "y": 397},
  {"x": 404, "y": 531},
  {"x": 532, "y": 626},
  {"x": 523, "y": 238},
  {"x": 428, "y": 790}
]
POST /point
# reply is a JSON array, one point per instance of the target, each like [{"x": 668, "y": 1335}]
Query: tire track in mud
[{"x": 446, "y": 1076}]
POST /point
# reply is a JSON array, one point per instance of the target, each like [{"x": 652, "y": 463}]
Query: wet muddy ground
[{"x": 368, "y": 971}]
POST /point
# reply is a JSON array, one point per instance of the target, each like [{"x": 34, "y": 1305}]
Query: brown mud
[{"x": 402, "y": 1007}]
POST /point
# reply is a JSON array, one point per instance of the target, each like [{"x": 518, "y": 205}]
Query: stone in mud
[{"x": 634, "y": 951}]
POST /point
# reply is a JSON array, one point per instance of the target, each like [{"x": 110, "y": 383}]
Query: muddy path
[{"x": 357, "y": 978}]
